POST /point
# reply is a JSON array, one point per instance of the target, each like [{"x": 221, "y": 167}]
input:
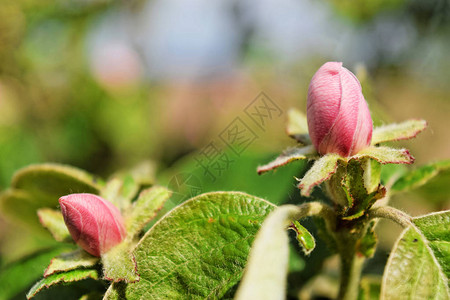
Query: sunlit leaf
[
  {"x": 198, "y": 250},
  {"x": 419, "y": 264},
  {"x": 395, "y": 132},
  {"x": 58, "y": 278},
  {"x": 287, "y": 156},
  {"x": 69, "y": 261},
  {"x": 322, "y": 170},
  {"x": 385, "y": 155}
]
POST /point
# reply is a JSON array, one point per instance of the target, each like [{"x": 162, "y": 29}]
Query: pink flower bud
[
  {"x": 338, "y": 116},
  {"x": 94, "y": 223}
]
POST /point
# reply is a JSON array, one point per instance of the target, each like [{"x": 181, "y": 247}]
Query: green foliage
[
  {"x": 69, "y": 261},
  {"x": 198, "y": 250},
  {"x": 17, "y": 276},
  {"x": 119, "y": 264},
  {"x": 420, "y": 176},
  {"x": 66, "y": 277},
  {"x": 38, "y": 186},
  {"x": 53, "y": 221},
  {"x": 304, "y": 238},
  {"x": 367, "y": 244},
  {"x": 266, "y": 270},
  {"x": 419, "y": 265},
  {"x": 265, "y": 273},
  {"x": 240, "y": 176},
  {"x": 144, "y": 209}
]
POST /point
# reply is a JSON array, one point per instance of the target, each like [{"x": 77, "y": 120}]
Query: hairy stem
[
  {"x": 351, "y": 268},
  {"x": 393, "y": 214}
]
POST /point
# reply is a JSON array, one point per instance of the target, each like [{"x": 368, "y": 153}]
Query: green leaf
[
  {"x": 266, "y": 270},
  {"x": 48, "y": 182},
  {"x": 287, "y": 156},
  {"x": 20, "y": 207},
  {"x": 42, "y": 185},
  {"x": 119, "y": 264},
  {"x": 66, "y": 277},
  {"x": 198, "y": 250},
  {"x": 419, "y": 264},
  {"x": 395, "y": 132},
  {"x": 385, "y": 155},
  {"x": 297, "y": 126},
  {"x": 267, "y": 266},
  {"x": 69, "y": 261},
  {"x": 54, "y": 222},
  {"x": 304, "y": 238},
  {"x": 420, "y": 176},
  {"x": 145, "y": 208},
  {"x": 19, "y": 275},
  {"x": 322, "y": 170}
]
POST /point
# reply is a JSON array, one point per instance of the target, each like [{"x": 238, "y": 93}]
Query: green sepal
[
  {"x": 367, "y": 244},
  {"x": 58, "y": 278},
  {"x": 395, "y": 132},
  {"x": 322, "y": 170},
  {"x": 289, "y": 155},
  {"x": 304, "y": 237},
  {"x": 53, "y": 221},
  {"x": 422, "y": 253},
  {"x": 144, "y": 209},
  {"x": 297, "y": 126},
  {"x": 372, "y": 174},
  {"x": 119, "y": 264},
  {"x": 70, "y": 261},
  {"x": 385, "y": 155}
]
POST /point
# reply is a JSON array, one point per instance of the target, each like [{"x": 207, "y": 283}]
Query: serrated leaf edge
[{"x": 46, "y": 286}]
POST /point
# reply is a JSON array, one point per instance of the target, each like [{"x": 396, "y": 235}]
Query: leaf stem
[
  {"x": 393, "y": 214},
  {"x": 317, "y": 209}
]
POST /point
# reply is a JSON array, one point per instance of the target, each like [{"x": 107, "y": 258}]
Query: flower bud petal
[
  {"x": 338, "y": 116},
  {"x": 95, "y": 224}
]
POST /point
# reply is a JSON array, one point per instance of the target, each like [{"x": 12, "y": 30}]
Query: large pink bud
[
  {"x": 94, "y": 223},
  {"x": 338, "y": 116}
]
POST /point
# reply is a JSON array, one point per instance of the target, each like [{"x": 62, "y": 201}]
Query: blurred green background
[{"x": 102, "y": 85}]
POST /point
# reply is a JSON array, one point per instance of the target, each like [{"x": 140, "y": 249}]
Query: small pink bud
[
  {"x": 95, "y": 224},
  {"x": 338, "y": 116}
]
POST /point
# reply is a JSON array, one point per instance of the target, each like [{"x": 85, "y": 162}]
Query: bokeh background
[{"x": 103, "y": 85}]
